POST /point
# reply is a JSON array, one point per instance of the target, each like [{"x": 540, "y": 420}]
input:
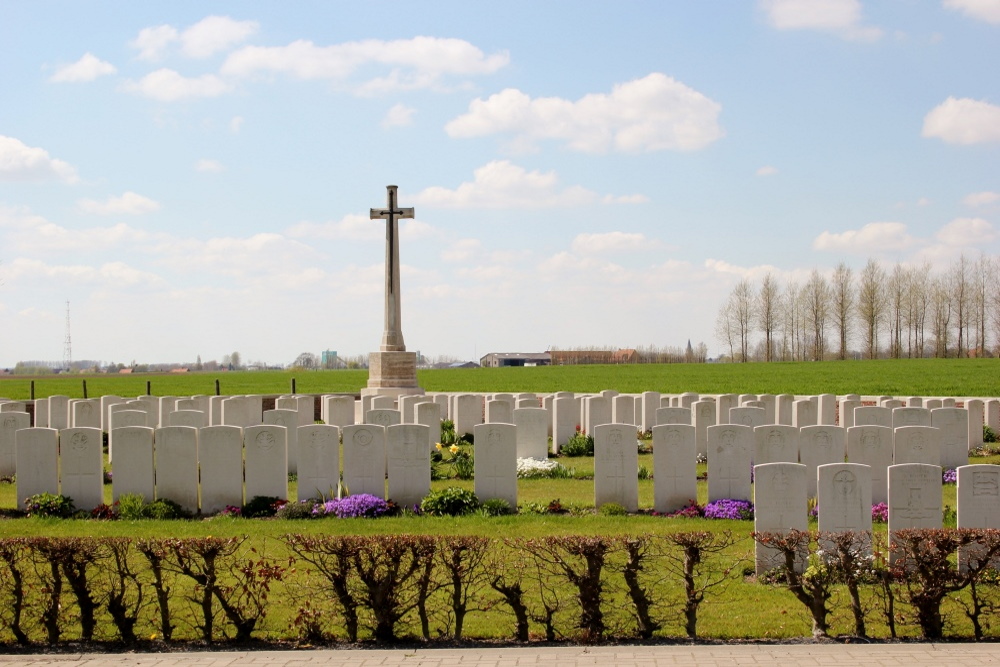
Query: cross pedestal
[{"x": 392, "y": 371}]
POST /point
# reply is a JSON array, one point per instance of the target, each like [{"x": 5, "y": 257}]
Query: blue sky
[{"x": 195, "y": 178}]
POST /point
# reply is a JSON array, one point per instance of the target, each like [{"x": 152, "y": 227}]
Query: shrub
[
  {"x": 496, "y": 507},
  {"x": 727, "y": 508},
  {"x": 133, "y": 506},
  {"x": 361, "y": 506},
  {"x": 130, "y": 506},
  {"x": 989, "y": 435},
  {"x": 690, "y": 511},
  {"x": 644, "y": 473},
  {"x": 164, "y": 508},
  {"x": 296, "y": 510},
  {"x": 451, "y": 501},
  {"x": 105, "y": 511},
  {"x": 49, "y": 504},
  {"x": 612, "y": 509},
  {"x": 262, "y": 506},
  {"x": 580, "y": 444}
]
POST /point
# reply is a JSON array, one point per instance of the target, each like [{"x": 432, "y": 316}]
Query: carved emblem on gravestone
[
  {"x": 315, "y": 442},
  {"x": 871, "y": 440},
  {"x": 79, "y": 442},
  {"x": 265, "y": 440},
  {"x": 747, "y": 420},
  {"x": 985, "y": 484},
  {"x": 844, "y": 485},
  {"x": 727, "y": 440},
  {"x": 821, "y": 440},
  {"x": 673, "y": 438},
  {"x": 915, "y": 508},
  {"x": 917, "y": 442},
  {"x": 706, "y": 411},
  {"x": 363, "y": 437},
  {"x": 9, "y": 422}
]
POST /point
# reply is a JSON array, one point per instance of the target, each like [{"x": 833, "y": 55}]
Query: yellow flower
[
  {"x": 438, "y": 445},
  {"x": 453, "y": 449},
  {"x": 152, "y": 636}
]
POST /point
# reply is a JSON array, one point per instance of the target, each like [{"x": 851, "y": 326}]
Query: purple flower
[
  {"x": 880, "y": 513},
  {"x": 949, "y": 476},
  {"x": 727, "y": 508},
  {"x": 361, "y": 506}
]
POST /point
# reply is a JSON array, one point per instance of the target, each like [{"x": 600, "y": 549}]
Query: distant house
[
  {"x": 498, "y": 359},
  {"x": 125, "y": 371}
]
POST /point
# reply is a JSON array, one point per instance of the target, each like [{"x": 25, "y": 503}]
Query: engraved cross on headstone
[{"x": 392, "y": 337}]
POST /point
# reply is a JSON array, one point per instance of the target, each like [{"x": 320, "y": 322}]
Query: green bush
[
  {"x": 989, "y": 435},
  {"x": 612, "y": 509},
  {"x": 296, "y": 510},
  {"x": 49, "y": 504},
  {"x": 580, "y": 444},
  {"x": 164, "y": 508},
  {"x": 644, "y": 473},
  {"x": 262, "y": 506},
  {"x": 131, "y": 506},
  {"x": 451, "y": 501},
  {"x": 496, "y": 507}
]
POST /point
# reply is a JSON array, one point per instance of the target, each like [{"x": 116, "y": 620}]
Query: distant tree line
[{"x": 895, "y": 312}]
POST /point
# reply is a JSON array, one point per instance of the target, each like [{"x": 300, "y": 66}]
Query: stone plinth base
[{"x": 392, "y": 374}]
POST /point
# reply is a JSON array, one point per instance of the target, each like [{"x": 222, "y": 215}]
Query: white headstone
[
  {"x": 265, "y": 449},
  {"x": 175, "y": 451},
  {"x": 236, "y": 411},
  {"x": 319, "y": 461},
  {"x": 688, "y": 398},
  {"x": 565, "y": 419},
  {"x": 674, "y": 416},
  {"x": 751, "y": 417},
  {"x": 215, "y": 410},
  {"x": 468, "y": 412},
  {"x": 978, "y": 499},
  {"x": 340, "y": 410},
  {"x": 81, "y": 466},
  {"x": 133, "y": 470},
  {"x": 804, "y": 413},
  {"x": 531, "y": 433},
  {"x": 41, "y": 418},
  {"x": 770, "y": 402},
  {"x": 616, "y": 466},
  {"x": 703, "y": 414},
  {"x": 650, "y": 404},
  {"x": 58, "y": 413},
  {"x": 846, "y": 412},
  {"x": 892, "y": 404},
  {"x": 872, "y": 416},
  {"x": 976, "y": 410},
  {"x": 106, "y": 402},
  {"x": 192, "y": 418},
  {"x": 872, "y": 446},
  {"x": 290, "y": 420},
  {"x": 86, "y": 413},
  {"x": 776, "y": 443},
  {"x": 914, "y": 498},
  {"x": 993, "y": 414},
  {"x": 409, "y": 463},
  {"x": 598, "y": 411},
  {"x": 384, "y": 417},
  {"x": 118, "y": 418},
  {"x": 724, "y": 404},
  {"x": 37, "y": 462},
  {"x": 428, "y": 413},
  {"x": 827, "y": 414},
  {"x": 152, "y": 406},
  {"x": 11, "y": 423},
  {"x": 779, "y": 506},
  {"x": 729, "y": 449},
  {"x": 364, "y": 459},
  {"x": 623, "y": 410},
  {"x": 220, "y": 458},
  {"x": 916, "y": 444},
  {"x": 499, "y": 412},
  {"x": 915, "y": 402},
  {"x": 383, "y": 403},
  {"x": 820, "y": 445},
  {"x": 674, "y": 467},
  {"x": 408, "y": 405},
  {"x": 746, "y": 398},
  {"x": 844, "y": 501},
  {"x": 948, "y": 403},
  {"x": 496, "y": 461},
  {"x": 933, "y": 403},
  {"x": 784, "y": 409},
  {"x": 911, "y": 417},
  {"x": 954, "y": 433}
]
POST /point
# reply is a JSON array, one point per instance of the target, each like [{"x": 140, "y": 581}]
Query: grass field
[{"x": 902, "y": 377}]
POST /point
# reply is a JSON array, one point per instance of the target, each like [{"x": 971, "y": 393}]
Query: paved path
[{"x": 810, "y": 655}]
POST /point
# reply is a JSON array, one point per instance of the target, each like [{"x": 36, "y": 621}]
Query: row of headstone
[{"x": 845, "y": 501}]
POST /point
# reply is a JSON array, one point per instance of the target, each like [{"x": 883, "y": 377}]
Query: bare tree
[
  {"x": 961, "y": 291},
  {"x": 791, "y": 322},
  {"x": 871, "y": 305},
  {"x": 917, "y": 303},
  {"x": 844, "y": 299},
  {"x": 980, "y": 301},
  {"x": 896, "y": 302},
  {"x": 817, "y": 307},
  {"x": 726, "y": 329},
  {"x": 768, "y": 309},
  {"x": 941, "y": 306},
  {"x": 744, "y": 308}
]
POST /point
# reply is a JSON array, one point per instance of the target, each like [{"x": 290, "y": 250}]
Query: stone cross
[{"x": 392, "y": 338}]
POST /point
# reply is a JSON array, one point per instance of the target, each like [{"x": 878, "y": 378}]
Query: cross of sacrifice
[{"x": 392, "y": 337}]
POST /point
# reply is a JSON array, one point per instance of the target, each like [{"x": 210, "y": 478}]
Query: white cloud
[
  {"x": 872, "y": 238},
  {"x": 111, "y": 274},
  {"x": 840, "y": 17},
  {"x": 236, "y": 124},
  {"x": 420, "y": 62},
  {"x": 654, "y": 113},
  {"x": 166, "y": 85},
  {"x": 981, "y": 198},
  {"x": 213, "y": 166},
  {"x": 599, "y": 244},
  {"x": 767, "y": 171},
  {"x": 205, "y": 38},
  {"x": 214, "y": 34},
  {"x": 399, "y": 115},
  {"x": 963, "y": 121},
  {"x": 129, "y": 203},
  {"x": 983, "y": 10},
  {"x": 967, "y": 232},
  {"x": 255, "y": 256},
  {"x": 923, "y": 201},
  {"x": 500, "y": 184},
  {"x": 87, "y": 68},
  {"x": 27, "y": 232},
  {"x": 624, "y": 199},
  {"x": 19, "y": 162},
  {"x": 152, "y": 42},
  {"x": 461, "y": 250}
]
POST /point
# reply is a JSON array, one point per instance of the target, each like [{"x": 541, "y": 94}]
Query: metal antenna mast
[{"x": 68, "y": 345}]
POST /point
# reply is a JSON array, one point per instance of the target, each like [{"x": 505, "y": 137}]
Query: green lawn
[{"x": 903, "y": 377}]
